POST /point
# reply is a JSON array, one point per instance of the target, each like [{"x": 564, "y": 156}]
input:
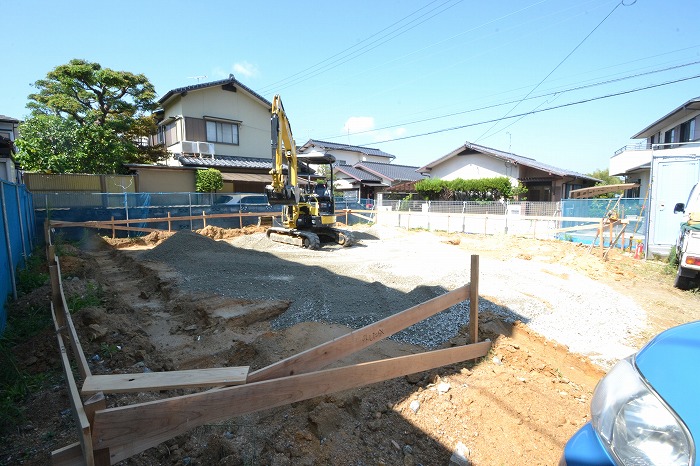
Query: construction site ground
[{"x": 186, "y": 301}]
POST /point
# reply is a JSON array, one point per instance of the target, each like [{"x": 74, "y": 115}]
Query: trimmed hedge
[{"x": 459, "y": 189}]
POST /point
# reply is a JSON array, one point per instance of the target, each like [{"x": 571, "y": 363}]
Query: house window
[
  {"x": 669, "y": 137},
  {"x": 167, "y": 134},
  {"x": 688, "y": 131},
  {"x": 220, "y": 131}
]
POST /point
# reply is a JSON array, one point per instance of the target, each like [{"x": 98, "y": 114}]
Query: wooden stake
[
  {"x": 474, "y": 300},
  {"x": 169, "y": 223}
]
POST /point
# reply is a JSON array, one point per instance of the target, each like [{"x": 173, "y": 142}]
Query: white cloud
[
  {"x": 245, "y": 69},
  {"x": 358, "y": 124},
  {"x": 365, "y": 126},
  {"x": 242, "y": 69}
]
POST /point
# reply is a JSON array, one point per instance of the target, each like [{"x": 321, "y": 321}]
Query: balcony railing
[
  {"x": 638, "y": 146},
  {"x": 647, "y": 146}
]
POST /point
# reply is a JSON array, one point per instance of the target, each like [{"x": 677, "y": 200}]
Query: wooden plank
[
  {"x": 107, "y": 224},
  {"x": 474, "y": 300},
  {"x": 156, "y": 381},
  {"x": 70, "y": 455},
  {"x": 56, "y": 293},
  {"x": 612, "y": 243},
  {"x": 129, "y": 430},
  {"x": 327, "y": 353},
  {"x": 74, "y": 397},
  {"x": 73, "y": 339},
  {"x": 591, "y": 226}
]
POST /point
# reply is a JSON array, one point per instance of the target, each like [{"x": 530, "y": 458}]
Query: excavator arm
[
  {"x": 284, "y": 189},
  {"x": 309, "y": 217}
]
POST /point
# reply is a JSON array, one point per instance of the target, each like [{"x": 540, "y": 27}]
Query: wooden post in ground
[
  {"x": 474, "y": 300},
  {"x": 169, "y": 223},
  {"x": 602, "y": 238},
  {"x": 204, "y": 219},
  {"x": 114, "y": 231}
]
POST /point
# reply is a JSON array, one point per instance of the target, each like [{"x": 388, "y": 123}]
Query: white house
[{"x": 543, "y": 182}]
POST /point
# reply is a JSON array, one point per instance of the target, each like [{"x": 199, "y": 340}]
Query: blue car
[{"x": 646, "y": 410}]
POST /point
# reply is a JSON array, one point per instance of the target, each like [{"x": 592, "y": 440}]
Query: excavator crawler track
[
  {"x": 311, "y": 239},
  {"x": 301, "y": 238}
]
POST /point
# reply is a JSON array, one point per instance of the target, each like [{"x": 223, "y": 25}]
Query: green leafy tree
[
  {"x": 606, "y": 179},
  {"x": 209, "y": 180},
  {"x": 105, "y": 114}
]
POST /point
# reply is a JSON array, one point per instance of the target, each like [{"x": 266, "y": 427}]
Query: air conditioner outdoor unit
[
  {"x": 206, "y": 147},
  {"x": 189, "y": 147}
]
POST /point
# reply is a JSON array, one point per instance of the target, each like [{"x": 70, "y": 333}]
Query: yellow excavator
[{"x": 308, "y": 218}]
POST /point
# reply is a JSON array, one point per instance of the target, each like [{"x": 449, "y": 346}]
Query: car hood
[{"x": 669, "y": 363}]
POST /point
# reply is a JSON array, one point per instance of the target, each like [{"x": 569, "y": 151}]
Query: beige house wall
[
  {"x": 214, "y": 102},
  {"x": 43, "y": 182},
  {"x": 166, "y": 181}
]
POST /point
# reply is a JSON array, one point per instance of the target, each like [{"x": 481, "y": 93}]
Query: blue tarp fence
[
  {"x": 18, "y": 233},
  {"x": 82, "y": 207},
  {"x": 631, "y": 209}
]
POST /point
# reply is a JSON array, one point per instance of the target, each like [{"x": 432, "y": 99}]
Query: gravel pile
[{"x": 391, "y": 270}]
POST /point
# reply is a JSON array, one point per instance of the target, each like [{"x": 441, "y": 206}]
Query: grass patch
[
  {"x": 91, "y": 297},
  {"x": 32, "y": 276},
  {"x": 22, "y": 324}
]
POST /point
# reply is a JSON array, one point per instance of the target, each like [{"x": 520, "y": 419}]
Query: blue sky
[{"x": 370, "y": 72}]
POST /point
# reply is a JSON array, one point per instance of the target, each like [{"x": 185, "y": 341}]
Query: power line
[
  {"x": 508, "y": 117},
  {"x": 556, "y": 67},
  {"x": 323, "y": 66},
  {"x": 553, "y": 93}
]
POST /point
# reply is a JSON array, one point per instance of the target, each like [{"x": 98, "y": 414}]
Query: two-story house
[
  {"x": 361, "y": 172},
  {"x": 668, "y": 136},
  {"x": 220, "y": 124},
  {"x": 543, "y": 182},
  {"x": 8, "y": 133},
  {"x": 666, "y": 164}
]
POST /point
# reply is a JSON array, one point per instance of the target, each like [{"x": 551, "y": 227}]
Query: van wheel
[{"x": 681, "y": 282}]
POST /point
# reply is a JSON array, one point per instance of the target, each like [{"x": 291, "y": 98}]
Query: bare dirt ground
[{"x": 518, "y": 405}]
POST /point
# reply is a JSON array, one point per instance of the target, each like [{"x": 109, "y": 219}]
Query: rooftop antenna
[{"x": 198, "y": 78}]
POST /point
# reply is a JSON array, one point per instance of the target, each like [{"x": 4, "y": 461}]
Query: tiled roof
[
  {"x": 230, "y": 80},
  {"x": 508, "y": 156},
  {"x": 225, "y": 161},
  {"x": 391, "y": 171},
  {"x": 8, "y": 119},
  {"x": 359, "y": 175},
  {"x": 233, "y": 163},
  {"x": 348, "y": 147}
]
